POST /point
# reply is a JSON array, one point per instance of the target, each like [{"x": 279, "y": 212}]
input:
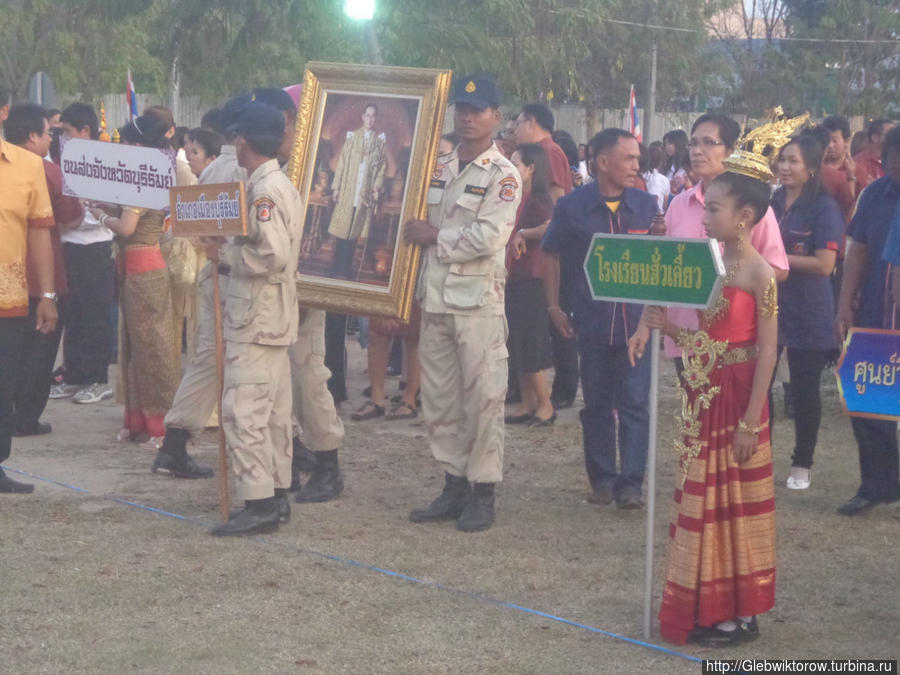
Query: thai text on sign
[
  {"x": 118, "y": 174},
  {"x": 215, "y": 210},
  {"x": 654, "y": 270},
  {"x": 867, "y": 373}
]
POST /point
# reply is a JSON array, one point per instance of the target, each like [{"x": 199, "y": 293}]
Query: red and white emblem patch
[
  {"x": 438, "y": 171},
  {"x": 508, "y": 189},
  {"x": 263, "y": 207}
]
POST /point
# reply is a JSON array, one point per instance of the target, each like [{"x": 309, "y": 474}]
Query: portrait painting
[{"x": 366, "y": 145}]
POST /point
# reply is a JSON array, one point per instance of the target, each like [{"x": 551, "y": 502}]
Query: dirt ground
[{"x": 92, "y": 584}]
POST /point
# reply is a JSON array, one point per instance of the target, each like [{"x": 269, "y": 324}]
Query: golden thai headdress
[{"x": 757, "y": 147}]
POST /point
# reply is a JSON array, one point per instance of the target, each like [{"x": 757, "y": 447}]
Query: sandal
[
  {"x": 369, "y": 410},
  {"x": 401, "y": 411},
  {"x": 398, "y": 398}
]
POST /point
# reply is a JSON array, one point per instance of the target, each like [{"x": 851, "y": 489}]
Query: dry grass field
[{"x": 93, "y": 584}]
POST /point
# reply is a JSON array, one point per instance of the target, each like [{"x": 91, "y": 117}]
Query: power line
[{"x": 790, "y": 39}]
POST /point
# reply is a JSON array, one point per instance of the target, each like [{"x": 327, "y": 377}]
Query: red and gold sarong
[{"x": 721, "y": 558}]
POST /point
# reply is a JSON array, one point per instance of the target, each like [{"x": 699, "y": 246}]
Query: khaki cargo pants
[
  {"x": 313, "y": 404},
  {"x": 464, "y": 371},
  {"x": 256, "y": 417}
]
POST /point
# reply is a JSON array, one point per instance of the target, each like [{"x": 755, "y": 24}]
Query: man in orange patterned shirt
[{"x": 26, "y": 217}]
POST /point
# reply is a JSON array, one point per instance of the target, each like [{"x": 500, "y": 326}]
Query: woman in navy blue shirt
[{"x": 811, "y": 227}]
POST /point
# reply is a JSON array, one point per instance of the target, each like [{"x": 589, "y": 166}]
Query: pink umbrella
[{"x": 295, "y": 91}]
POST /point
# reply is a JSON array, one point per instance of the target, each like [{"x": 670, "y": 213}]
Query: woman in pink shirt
[{"x": 713, "y": 138}]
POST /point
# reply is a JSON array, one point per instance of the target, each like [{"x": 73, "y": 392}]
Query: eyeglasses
[{"x": 705, "y": 143}]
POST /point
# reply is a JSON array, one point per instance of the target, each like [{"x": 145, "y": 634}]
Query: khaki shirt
[
  {"x": 261, "y": 300},
  {"x": 475, "y": 210},
  {"x": 224, "y": 168}
]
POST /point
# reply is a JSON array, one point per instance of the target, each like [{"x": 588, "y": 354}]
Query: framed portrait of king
[{"x": 365, "y": 148}]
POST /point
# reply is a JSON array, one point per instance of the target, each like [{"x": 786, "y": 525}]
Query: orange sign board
[{"x": 215, "y": 210}]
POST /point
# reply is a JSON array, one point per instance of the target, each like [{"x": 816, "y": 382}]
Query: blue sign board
[{"x": 868, "y": 374}]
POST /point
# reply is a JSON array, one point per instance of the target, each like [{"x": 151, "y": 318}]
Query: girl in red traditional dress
[{"x": 721, "y": 563}]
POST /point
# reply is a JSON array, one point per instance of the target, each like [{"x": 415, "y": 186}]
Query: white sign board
[{"x": 118, "y": 174}]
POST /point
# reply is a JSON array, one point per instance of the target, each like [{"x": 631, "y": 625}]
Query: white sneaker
[
  {"x": 94, "y": 393},
  {"x": 64, "y": 390},
  {"x": 799, "y": 479}
]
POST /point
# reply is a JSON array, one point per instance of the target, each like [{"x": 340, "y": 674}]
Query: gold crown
[{"x": 757, "y": 147}]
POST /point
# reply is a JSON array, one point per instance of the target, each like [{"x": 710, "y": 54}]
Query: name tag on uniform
[
  {"x": 438, "y": 184},
  {"x": 475, "y": 190}
]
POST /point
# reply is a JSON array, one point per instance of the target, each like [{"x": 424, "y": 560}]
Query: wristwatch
[{"x": 50, "y": 296}]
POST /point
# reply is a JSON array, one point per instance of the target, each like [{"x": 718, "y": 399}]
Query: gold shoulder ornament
[{"x": 769, "y": 306}]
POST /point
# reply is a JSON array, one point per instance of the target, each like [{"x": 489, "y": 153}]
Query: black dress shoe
[
  {"x": 536, "y": 422},
  {"x": 716, "y": 637},
  {"x": 10, "y": 486},
  {"x": 251, "y": 520},
  {"x": 858, "y": 505},
  {"x": 519, "y": 419},
  {"x": 180, "y": 466},
  {"x": 37, "y": 430},
  {"x": 629, "y": 499},
  {"x": 324, "y": 484}
]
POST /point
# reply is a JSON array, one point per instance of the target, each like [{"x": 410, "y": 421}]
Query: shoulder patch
[
  {"x": 486, "y": 161},
  {"x": 263, "y": 207},
  {"x": 509, "y": 186},
  {"x": 438, "y": 171}
]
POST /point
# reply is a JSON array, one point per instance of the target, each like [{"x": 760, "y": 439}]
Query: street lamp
[{"x": 359, "y": 9}]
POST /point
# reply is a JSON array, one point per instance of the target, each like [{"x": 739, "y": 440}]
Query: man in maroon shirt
[
  {"x": 535, "y": 125},
  {"x": 868, "y": 162},
  {"x": 29, "y": 128}
]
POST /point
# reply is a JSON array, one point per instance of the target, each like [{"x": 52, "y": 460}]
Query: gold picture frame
[{"x": 365, "y": 148}]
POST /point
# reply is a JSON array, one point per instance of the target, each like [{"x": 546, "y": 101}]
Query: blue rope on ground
[{"x": 381, "y": 570}]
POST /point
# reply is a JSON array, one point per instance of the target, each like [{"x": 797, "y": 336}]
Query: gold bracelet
[{"x": 743, "y": 426}]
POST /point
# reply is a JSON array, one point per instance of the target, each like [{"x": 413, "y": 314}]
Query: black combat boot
[
  {"x": 325, "y": 483},
  {"x": 283, "y": 504},
  {"x": 449, "y": 504},
  {"x": 173, "y": 458},
  {"x": 479, "y": 512},
  {"x": 303, "y": 460},
  {"x": 258, "y": 516}
]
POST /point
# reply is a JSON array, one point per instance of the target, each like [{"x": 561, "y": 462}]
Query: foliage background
[{"x": 559, "y": 50}]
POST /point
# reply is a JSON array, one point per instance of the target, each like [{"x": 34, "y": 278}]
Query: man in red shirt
[
  {"x": 868, "y": 162},
  {"x": 28, "y": 127},
  {"x": 535, "y": 125},
  {"x": 837, "y": 152}
]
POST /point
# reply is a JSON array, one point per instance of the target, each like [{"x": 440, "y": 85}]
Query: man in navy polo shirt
[
  {"x": 867, "y": 273},
  {"x": 609, "y": 205}
]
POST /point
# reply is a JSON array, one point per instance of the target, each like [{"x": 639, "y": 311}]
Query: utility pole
[{"x": 650, "y": 112}]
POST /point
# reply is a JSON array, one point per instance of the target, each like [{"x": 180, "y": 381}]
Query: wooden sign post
[{"x": 216, "y": 210}]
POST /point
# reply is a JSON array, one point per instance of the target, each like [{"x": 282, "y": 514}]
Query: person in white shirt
[
  {"x": 90, "y": 271},
  {"x": 657, "y": 183}
]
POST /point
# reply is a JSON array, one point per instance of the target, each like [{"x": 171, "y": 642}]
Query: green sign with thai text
[{"x": 651, "y": 270}]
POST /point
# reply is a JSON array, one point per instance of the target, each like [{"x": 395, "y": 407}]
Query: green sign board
[{"x": 654, "y": 270}]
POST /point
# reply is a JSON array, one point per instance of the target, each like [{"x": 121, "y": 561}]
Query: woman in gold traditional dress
[
  {"x": 721, "y": 563},
  {"x": 148, "y": 356}
]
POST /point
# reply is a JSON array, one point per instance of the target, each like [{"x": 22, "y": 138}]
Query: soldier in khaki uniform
[
  {"x": 472, "y": 205},
  {"x": 314, "y": 408},
  {"x": 195, "y": 399},
  {"x": 260, "y": 323}
]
